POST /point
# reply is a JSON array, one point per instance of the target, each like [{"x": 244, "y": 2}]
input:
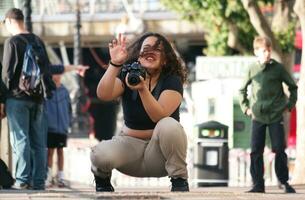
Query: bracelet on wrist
[{"x": 115, "y": 65}]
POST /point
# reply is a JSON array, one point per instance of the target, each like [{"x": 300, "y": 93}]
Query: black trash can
[{"x": 211, "y": 155}]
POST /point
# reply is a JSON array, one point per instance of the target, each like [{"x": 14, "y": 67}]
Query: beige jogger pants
[{"x": 164, "y": 154}]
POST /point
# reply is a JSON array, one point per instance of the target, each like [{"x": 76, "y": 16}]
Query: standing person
[
  {"x": 59, "y": 115},
  {"x": 57, "y": 69},
  {"x": 61, "y": 69},
  {"x": 25, "y": 110},
  {"x": 152, "y": 142},
  {"x": 266, "y": 107},
  {"x": 104, "y": 113}
]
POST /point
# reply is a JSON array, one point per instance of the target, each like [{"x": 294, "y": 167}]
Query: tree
[
  {"x": 232, "y": 25},
  {"x": 299, "y": 171},
  {"x": 225, "y": 19},
  {"x": 227, "y": 25}
]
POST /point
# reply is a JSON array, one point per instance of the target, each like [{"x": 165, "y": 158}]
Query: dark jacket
[
  {"x": 3, "y": 89},
  {"x": 59, "y": 112},
  {"x": 267, "y": 100},
  {"x": 14, "y": 48},
  {"x": 57, "y": 69}
]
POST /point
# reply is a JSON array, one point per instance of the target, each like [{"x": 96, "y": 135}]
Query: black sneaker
[
  {"x": 257, "y": 188},
  {"x": 103, "y": 185},
  {"x": 288, "y": 188},
  {"x": 179, "y": 185}
]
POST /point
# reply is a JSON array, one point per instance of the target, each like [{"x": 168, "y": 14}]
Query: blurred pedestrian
[
  {"x": 266, "y": 106},
  {"x": 59, "y": 115},
  {"x": 24, "y": 109},
  {"x": 58, "y": 69},
  {"x": 104, "y": 113}
]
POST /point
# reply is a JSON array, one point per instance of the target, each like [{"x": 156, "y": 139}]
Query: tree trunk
[
  {"x": 262, "y": 26},
  {"x": 281, "y": 19},
  {"x": 282, "y": 14},
  {"x": 233, "y": 41},
  {"x": 299, "y": 170},
  {"x": 288, "y": 60}
]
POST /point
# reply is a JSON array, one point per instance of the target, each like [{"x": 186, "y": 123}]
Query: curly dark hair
[{"x": 174, "y": 64}]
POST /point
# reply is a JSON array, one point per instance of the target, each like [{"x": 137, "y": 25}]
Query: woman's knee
[
  {"x": 169, "y": 128},
  {"x": 101, "y": 158}
]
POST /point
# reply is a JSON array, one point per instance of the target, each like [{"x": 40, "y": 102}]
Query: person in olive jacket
[{"x": 265, "y": 106}]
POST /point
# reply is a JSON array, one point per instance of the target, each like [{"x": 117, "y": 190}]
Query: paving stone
[{"x": 83, "y": 192}]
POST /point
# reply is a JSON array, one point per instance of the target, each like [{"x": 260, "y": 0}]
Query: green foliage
[
  {"x": 286, "y": 38},
  {"x": 217, "y": 45},
  {"x": 216, "y": 15}
]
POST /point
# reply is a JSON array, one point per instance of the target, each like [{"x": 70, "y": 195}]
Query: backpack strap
[{"x": 23, "y": 38}]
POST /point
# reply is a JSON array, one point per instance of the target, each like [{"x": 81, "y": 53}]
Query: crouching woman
[{"x": 149, "y": 77}]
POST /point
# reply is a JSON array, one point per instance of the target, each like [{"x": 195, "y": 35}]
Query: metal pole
[
  {"x": 77, "y": 37},
  {"x": 27, "y": 15},
  {"x": 82, "y": 119}
]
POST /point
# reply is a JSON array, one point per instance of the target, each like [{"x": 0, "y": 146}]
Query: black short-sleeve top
[{"x": 135, "y": 116}]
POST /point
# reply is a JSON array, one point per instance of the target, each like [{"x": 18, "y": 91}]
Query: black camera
[{"x": 135, "y": 70}]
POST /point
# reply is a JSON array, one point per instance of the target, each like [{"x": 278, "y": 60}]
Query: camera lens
[{"x": 133, "y": 79}]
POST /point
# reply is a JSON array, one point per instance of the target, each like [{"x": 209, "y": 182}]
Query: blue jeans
[
  {"x": 27, "y": 140},
  {"x": 44, "y": 130}
]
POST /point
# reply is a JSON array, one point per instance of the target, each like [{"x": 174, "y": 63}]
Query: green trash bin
[{"x": 211, "y": 155}]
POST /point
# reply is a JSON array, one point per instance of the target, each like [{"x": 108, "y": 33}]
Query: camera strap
[
  {"x": 157, "y": 89},
  {"x": 134, "y": 95}
]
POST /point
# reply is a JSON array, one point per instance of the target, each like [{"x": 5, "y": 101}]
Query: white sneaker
[
  {"x": 50, "y": 180},
  {"x": 60, "y": 179},
  {"x": 61, "y": 183}
]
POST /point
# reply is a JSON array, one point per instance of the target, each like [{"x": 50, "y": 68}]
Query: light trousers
[{"x": 163, "y": 155}]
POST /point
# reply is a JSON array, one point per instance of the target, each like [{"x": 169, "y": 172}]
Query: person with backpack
[
  {"x": 27, "y": 80},
  {"x": 149, "y": 77}
]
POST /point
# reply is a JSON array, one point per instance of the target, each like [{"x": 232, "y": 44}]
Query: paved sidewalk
[{"x": 205, "y": 193}]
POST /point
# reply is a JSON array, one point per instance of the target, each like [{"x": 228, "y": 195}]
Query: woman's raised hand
[{"x": 117, "y": 50}]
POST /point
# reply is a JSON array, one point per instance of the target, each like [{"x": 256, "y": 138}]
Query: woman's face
[{"x": 151, "y": 56}]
